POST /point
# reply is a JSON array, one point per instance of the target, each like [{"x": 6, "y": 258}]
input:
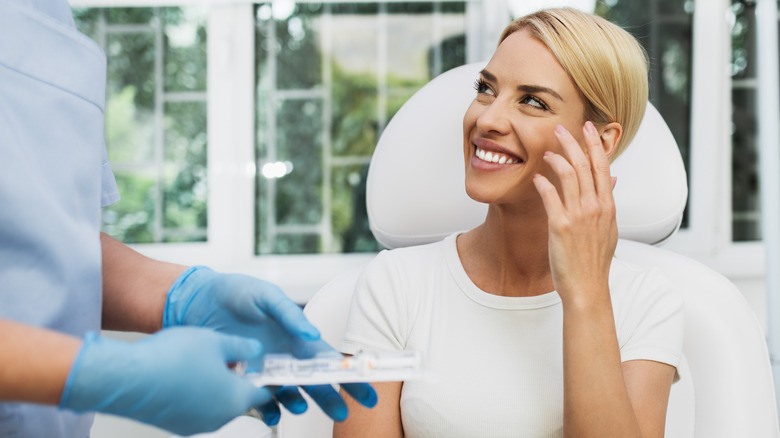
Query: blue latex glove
[
  {"x": 177, "y": 379},
  {"x": 247, "y": 306}
]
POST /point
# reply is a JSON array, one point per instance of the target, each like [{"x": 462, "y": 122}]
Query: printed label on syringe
[{"x": 284, "y": 369}]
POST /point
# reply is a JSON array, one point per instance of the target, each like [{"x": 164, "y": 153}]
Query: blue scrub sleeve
[{"x": 109, "y": 189}]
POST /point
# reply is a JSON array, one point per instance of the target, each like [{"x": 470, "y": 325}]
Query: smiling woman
[{"x": 581, "y": 343}]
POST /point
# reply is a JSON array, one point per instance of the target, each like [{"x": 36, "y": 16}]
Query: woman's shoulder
[
  {"x": 417, "y": 255},
  {"x": 638, "y": 286},
  {"x": 623, "y": 271}
]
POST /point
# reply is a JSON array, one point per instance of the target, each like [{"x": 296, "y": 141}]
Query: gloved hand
[
  {"x": 246, "y": 306},
  {"x": 177, "y": 379}
]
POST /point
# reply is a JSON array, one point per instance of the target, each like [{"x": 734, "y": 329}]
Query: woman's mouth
[{"x": 496, "y": 157}]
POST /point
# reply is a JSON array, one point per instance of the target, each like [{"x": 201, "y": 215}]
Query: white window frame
[{"x": 708, "y": 237}]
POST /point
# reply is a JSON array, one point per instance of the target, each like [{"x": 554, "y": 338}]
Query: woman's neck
[{"x": 507, "y": 254}]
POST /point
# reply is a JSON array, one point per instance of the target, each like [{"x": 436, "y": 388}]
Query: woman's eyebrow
[
  {"x": 539, "y": 89},
  {"x": 525, "y": 88}
]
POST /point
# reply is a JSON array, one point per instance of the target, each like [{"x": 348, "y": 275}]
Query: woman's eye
[
  {"x": 534, "y": 102},
  {"x": 482, "y": 87}
]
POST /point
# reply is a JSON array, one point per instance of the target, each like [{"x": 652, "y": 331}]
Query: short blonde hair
[{"x": 606, "y": 63}]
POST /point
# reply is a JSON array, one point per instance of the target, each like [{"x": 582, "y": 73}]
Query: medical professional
[{"x": 61, "y": 281}]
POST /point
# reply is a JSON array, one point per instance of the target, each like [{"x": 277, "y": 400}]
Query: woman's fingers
[
  {"x": 576, "y": 156},
  {"x": 581, "y": 175},
  {"x": 567, "y": 178},
  {"x": 552, "y": 202},
  {"x": 599, "y": 161}
]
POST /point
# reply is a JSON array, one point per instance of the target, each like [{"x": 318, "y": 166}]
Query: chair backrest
[
  {"x": 410, "y": 201},
  {"x": 726, "y": 387},
  {"x": 725, "y": 349}
]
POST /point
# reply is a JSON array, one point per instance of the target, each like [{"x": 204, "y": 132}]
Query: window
[
  {"x": 254, "y": 157},
  {"x": 329, "y": 77},
  {"x": 665, "y": 30},
  {"x": 746, "y": 214},
  {"x": 155, "y": 119}
]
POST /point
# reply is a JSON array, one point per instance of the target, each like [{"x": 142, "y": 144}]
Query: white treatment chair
[{"x": 726, "y": 388}]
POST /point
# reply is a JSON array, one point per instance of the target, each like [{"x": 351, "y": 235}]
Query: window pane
[
  {"x": 329, "y": 77},
  {"x": 664, "y": 28},
  {"x": 745, "y": 197},
  {"x": 185, "y": 49},
  {"x": 129, "y": 219},
  {"x": 349, "y": 216},
  {"x": 746, "y": 213},
  {"x": 185, "y": 196},
  {"x": 155, "y": 119},
  {"x": 130, "y": 15},
  {"x": 298, "y": 193}
]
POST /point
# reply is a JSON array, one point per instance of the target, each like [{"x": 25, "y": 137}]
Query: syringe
[{"x": 332, "y": 368}]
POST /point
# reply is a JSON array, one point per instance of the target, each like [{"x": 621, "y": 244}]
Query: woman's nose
[{"x": 493, "y": 118}]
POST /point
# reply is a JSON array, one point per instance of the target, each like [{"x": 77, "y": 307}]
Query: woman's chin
[{"x": 484, "y": 193}]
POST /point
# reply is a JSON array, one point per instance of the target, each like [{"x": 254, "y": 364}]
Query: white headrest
[{"x": 416, "y": 192}]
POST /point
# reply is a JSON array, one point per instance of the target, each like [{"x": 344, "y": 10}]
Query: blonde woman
[{"x": 529, "y": 324}]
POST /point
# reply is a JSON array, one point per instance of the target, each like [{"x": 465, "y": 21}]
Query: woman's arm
[
  {"x": 648, "y": 384},
  {"x": 602, "y": 396},
  {"x": 135, "y": 287},
  {"x": 381, "y": 421}
]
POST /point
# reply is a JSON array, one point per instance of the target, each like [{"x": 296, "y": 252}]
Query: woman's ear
[{"x": 610, "y": 137}]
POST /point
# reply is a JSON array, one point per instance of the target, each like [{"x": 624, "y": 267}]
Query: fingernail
[
  {"x": 311, "y": 333},
  {"x": 560, "y": 130},
  {"x": 298, "y": 407},
  {"x": 271, "y": 419},
  {"x": 614, "y": 181},
  {"x": 340, "y": 414},
  {"x": 371, "y": 400},
  {"x": 547, "y": 153},
  {"x": 590, "y": 127}
]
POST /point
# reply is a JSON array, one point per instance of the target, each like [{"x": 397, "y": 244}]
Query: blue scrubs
[{"x": 54, "y": 179}]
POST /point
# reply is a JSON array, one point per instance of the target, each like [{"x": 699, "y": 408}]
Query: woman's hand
[{"x": 581, "y": 216}]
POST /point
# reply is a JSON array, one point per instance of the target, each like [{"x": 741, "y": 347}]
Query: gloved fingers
[
  {"x": 329, "y": 400},
  {"x": 291, "y": 398},
  {"x": 176, "y": 379},
  {"x": 363, "y": 393},
  {"x": 261, "y": 396},
  {"x": 238, "y": 348},
  {"x": 270, "y": 412},
  {"x": 285, "y": 312}
]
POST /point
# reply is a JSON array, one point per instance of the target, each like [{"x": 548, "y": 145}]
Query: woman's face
[{"x": 522, "y": 95}]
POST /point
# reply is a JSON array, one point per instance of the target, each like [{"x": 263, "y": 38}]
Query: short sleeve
[
  {"x": 109, "y": 190},
  {"x": 377, "y": 318},
  {"x": 652, "y": 322}
]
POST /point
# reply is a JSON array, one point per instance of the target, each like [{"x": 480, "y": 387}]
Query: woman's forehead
[{"x": 522, "y": 59}]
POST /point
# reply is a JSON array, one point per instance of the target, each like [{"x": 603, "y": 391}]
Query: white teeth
[{"x": 494, "y": 157}]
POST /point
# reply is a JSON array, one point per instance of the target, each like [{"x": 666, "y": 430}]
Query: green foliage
[
  {"x": 160, "y": 201},
  {"x": 131, "y": 219},
  {"x": 353, "y": 120}
]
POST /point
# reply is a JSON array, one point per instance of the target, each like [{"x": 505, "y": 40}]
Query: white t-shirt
[{"x": 494, "y": 363}]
